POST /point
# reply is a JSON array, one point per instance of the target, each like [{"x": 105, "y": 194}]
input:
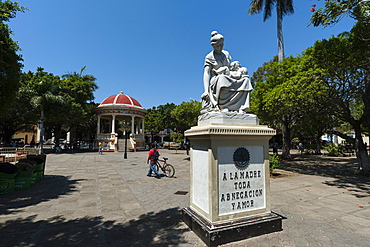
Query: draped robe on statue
[{"x": 226, "y": 92}]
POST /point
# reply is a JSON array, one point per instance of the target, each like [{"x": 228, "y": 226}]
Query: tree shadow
[
  {"x": 341, "y": 169},
  {"x": 164, "y": 228},
  {"x": 50, "y": 187}
]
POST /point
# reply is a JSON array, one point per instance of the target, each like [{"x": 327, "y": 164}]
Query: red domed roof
[{"x": 120, "y": 100}]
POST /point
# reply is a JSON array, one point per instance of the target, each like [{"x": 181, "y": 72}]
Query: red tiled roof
[{"x": 120, "y": 100}]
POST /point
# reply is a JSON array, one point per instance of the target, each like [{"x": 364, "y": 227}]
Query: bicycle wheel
[{"x": 169, "y": 170}]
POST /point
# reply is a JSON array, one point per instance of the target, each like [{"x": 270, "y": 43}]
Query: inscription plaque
[{"x": 241, "y": 176}]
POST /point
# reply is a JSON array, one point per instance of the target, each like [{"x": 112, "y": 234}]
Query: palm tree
[
  {"x": 43, "y": 88},
  {"x": 39, "y": 101},
  {"x": 283, "y": 7}
]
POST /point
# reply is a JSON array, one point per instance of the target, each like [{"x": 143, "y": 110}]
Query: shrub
[
  {"x": 334, "y": 150},
  {"x": 274, "y": 162}
]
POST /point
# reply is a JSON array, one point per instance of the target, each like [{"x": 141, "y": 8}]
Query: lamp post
[{"x": 125, "y": 155}]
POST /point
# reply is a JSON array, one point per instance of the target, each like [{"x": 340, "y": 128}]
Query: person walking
[{"x": 153, "y": 155}]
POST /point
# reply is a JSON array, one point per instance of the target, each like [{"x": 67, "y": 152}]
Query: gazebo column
[
  {"x": 133, "y": 124},
  {"x": 142, "y": 126},
  {"x": 98, "y": 126},
  {"x": 113, "y": 124}
]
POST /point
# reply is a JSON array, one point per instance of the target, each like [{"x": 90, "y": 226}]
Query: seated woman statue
[{"x": 226, "y": 87}]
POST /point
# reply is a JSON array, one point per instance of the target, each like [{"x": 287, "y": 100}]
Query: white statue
[{"x": 226, "y": 85}]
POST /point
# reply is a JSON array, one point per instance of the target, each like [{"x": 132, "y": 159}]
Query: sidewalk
[{"x": 88, "y": 199}]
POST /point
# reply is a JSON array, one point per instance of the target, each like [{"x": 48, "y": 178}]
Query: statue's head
[
  {"x": 235, "y": 65},
  {"x": 217, "y": 41},
  {"x": 216, "y": 38}
]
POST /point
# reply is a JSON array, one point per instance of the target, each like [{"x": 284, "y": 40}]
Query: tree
[
  {"x": 78, "y": 90},
  {"x": 274, "y": 101},
  {"x": 19, "y": 116},
  {"x": 335, "y": 10},
  {"x": 347, "y": 76},
  {"x": 160, "y": 118},
  {"x": 10, "y": 61},
  {"x": 283, "y": 93},
  {"x": 186, "y": 114},
  {"x": 44, "y": 90},
  {"x": 283, "y": 7}
]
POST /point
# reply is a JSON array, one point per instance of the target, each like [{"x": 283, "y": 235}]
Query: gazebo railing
[{"x": 104, "y": 136}]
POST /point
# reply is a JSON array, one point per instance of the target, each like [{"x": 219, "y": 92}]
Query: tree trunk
[
  {"x": 361, "y": 153},
  {"x": 286, "y": 141},
  {"x": 57, "y": 131},
  {"x": 318, "y": 145},
  {"x": 7, "y": 135},
  {"x": 280, "y": 38},
  {"x": 41, "y": 141}
]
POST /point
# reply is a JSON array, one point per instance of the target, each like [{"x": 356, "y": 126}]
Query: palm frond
[
  {"x": 268, "y": 6},
  {"x": 255, "y": 7}
]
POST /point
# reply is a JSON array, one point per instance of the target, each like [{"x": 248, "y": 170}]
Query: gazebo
[{"x": 120, "y": 107}]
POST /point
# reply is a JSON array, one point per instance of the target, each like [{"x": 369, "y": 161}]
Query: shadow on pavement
[
  {"x": 51, "y": 187},
  {"x": 152, "y": 229},
  {"x": 341, "y": 169}
]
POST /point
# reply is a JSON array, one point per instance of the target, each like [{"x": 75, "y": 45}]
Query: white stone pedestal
[{"x": 229, "y": 190}]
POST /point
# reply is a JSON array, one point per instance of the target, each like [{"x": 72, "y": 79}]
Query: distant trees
[
  {"x": 10, "y": 61},
  {"x": 176, "y": 117},
  {"x": 43, "y": 89},
  {"x": 159, "y": 117},
  {"x": 186, "y": 114},
  {"x": 347, "y": 77},
  {"x": 286, "y": 92},
  {"x": 311, "y": 93},
  {"x": 349, "y": 66},
  {"x": 52, "y": 102}
]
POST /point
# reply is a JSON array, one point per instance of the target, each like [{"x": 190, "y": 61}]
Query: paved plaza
[{"x": 88, "y": 199}]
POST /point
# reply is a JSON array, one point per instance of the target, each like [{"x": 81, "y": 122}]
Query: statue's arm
[{"x": 206, "y": 80}]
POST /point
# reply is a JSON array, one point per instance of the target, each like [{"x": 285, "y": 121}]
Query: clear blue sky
[{"x": 153, "y": 50}]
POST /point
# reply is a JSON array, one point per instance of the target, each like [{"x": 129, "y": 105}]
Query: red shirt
[{"x": 151, "y": 153}]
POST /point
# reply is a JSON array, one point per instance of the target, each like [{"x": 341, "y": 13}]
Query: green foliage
[
  {"x": 334, "y": 150},
  {"x": 283, "y": 92},
  {"x": 10, "y": 61},
  {"x": 257, "y": 6},
  {"x": 345, "y": 60},
  {"x": 19, "y": 116},
  {"x": 61, "y": 102},
  {"x": 160, "y": 118},
  {"x": 179, "y": 118},
  {"x": 334, "y": 11},
  {"x": 78, "y": 90},
  {"x": 186, "y": 114},
  {"x": 274, "y": 162},
  {"x": 177, "y": 137},
  {"x": 346, "y": 76}
]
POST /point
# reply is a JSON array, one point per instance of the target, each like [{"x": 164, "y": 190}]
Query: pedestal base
[
  {"x": 227, "y": 118},
  {"x": 216, "y": 234}
]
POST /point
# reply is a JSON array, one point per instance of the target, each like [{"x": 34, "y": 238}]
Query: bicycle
[{"x": 167, "y": 169}]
